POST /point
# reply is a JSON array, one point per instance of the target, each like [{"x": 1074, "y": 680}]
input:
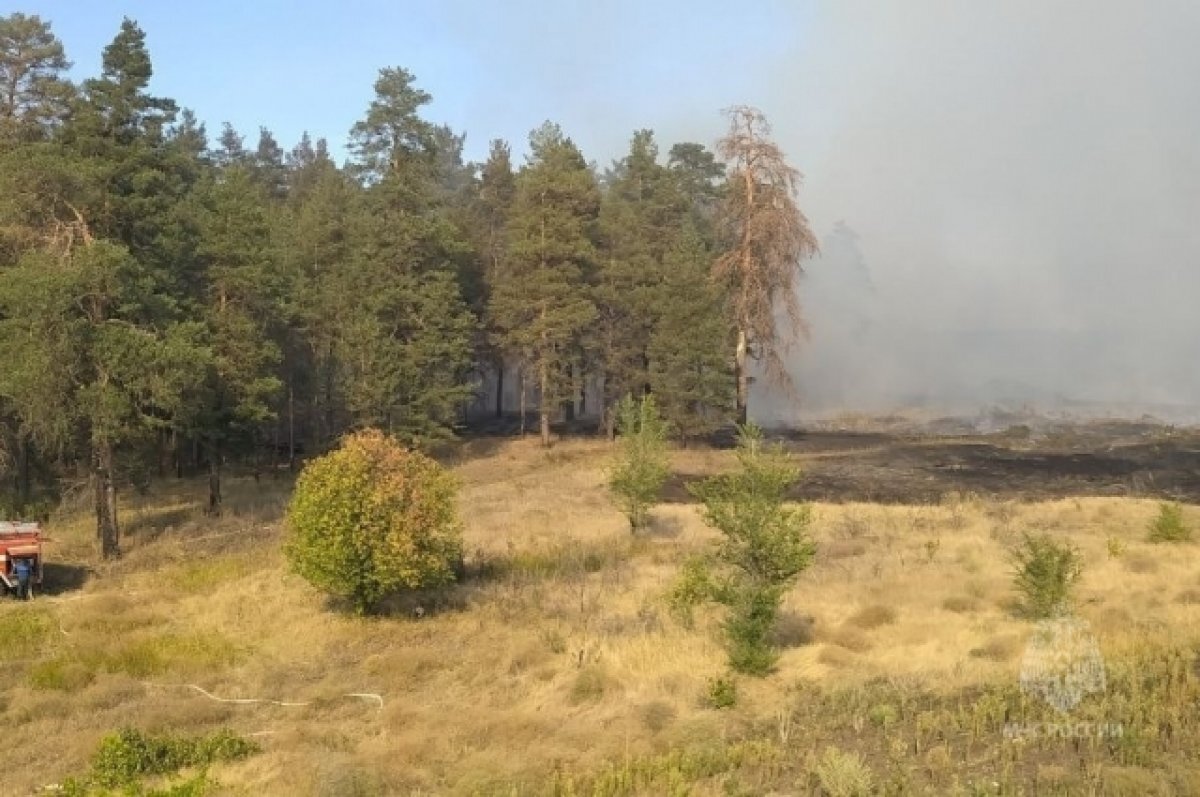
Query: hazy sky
[{"x": 1022, "y": 176}]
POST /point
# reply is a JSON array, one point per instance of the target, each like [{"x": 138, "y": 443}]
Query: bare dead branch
[{"x": 771, "y": 237}]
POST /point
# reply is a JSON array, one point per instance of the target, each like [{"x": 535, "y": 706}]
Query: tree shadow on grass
[
  {"x": 149, "y": 525},
  {"x": 482, "y": 571},
  {"x": 411, "y": 605},
  {"x": 664, "y": 527},
  {"x": 59, "y": 578}
]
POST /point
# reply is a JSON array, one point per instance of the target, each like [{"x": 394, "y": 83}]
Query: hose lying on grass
[{"x": 251, "y": 700}]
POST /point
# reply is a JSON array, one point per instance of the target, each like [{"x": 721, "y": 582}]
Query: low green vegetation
[
  {"x": 1169, "y": 526},
  {"x": 843, "y": 774},
  {"x": 123, "y": 760},
  {"x": 373, "y": 518},
  {"x": 889, "y": 738},
  {"x": 206, "y": 574},
  {"x": 24, "y": 631},
  {"x": 642, "y": 466},
  {"x": 673, "y": 773},
  {"x": 765, "y": 548},
  {"x": 139, "y": 656},
  {"x": 692, "y": 587},
  {"x": 722, "y": 693},
  {"x": 1045, "y": 572}
]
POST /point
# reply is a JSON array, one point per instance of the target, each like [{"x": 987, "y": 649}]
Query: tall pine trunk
[
  {"x": 568, "y": 405},
  {"x": 107, "y": 530},
  {"x": 291, "y": 427},
  {"x": 524, "y": 409},
  {"x": 609, "y": 409},
  {"x": 276, "y": 444},
  {"x": 164, "y": 451},
  {"x": 743, "y": 379},
  {"x": 330, "y": 417},
  {"x": 500, "y": 388},
  {"x": 23, "y": 475},
  {"x": 214, "y": 477},
  {"x": 544, "y": 404}
]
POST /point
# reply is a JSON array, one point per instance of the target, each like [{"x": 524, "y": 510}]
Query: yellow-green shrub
[
  {"x": 1169, "y": 525},
  {"x": 642, "y": 465},
  {"x": 24, "y": 631},
  {"x": 373, "y": 518}
]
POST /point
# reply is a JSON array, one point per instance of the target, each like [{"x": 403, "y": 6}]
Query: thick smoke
[{"x": 1009, "y": 199}]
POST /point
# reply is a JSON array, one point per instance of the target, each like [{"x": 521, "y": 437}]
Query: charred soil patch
[{"x": 1100, "y": 460}]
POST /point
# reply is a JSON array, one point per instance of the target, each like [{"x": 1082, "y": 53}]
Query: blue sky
[{"x": 498, "y": 69}]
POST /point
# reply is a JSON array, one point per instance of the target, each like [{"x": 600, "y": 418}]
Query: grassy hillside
[{"x": 557, "y": 667}]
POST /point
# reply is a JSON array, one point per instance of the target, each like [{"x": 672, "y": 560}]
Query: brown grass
[
  {"x": 872, "y": 617},
  {"x": 558, "y": 653}
]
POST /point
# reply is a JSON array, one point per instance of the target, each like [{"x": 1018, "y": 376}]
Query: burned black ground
[{"x": 1100, "y": 459}]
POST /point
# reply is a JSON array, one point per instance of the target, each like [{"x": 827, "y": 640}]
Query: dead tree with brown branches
[{"x": 767, "y": 237}]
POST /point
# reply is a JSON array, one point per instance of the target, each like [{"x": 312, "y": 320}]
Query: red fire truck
[{"x": 20, "y": 557}]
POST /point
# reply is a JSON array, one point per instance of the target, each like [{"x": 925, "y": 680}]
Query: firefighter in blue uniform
[{"x": 23, "y": 569}]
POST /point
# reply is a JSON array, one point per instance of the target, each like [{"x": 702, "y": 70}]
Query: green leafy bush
[
  {"x": 844, "y": 774},
  {"x": 765, "y": 547},
  {"x": 127, "y": 755},
  {"x": 1169, "y": 525},
  {"x": 124, "y": 758},
  {"x": 372, "y": 518},
  {"x": 641, "y": 468},
  {"x": 722, "y": 693},
  {"x": 692, "y": 587},
  {"x": 748, "y": 640},
  {"x": 1044, "y": 572}
]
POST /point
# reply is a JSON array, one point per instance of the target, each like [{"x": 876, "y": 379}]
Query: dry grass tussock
[{"x": 558, "y": 653}]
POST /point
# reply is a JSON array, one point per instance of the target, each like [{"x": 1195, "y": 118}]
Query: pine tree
[
  {"x": 231, "y": 148},
  {"x": 267, "y": 165},
  {"x": 239, "y": 306},
  {"x": 640, "y": 217},
  {"x": 768, "y": 237},
  {"x": 34, "y": 102},
  {"x": 315, "y": 232},
  {"x": 407, "y": 280},
  {"x": 93, "y": 329},
  {"x": 34, "y": 95},
  {"x": 303, "y": 164},
  {"x": 542, "y": 306},
  {"x": 119, "y": 135},
  {"x": 700, "y": 177},
  {"x": 109, "y": 368},
  {"x": 642, "y": 464},
  {"x": 488, "y": 221},
  {"x": 690, "y": 369}
]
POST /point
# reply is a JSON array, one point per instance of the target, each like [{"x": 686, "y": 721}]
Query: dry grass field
[{"x": 556, "y": 667}]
